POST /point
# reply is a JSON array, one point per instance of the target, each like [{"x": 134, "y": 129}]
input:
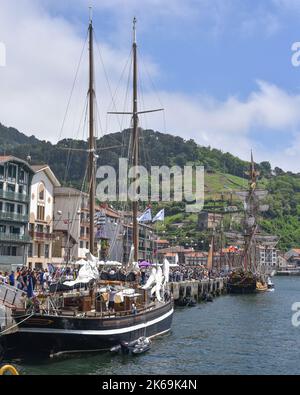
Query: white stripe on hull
[{"x": 98, "y": 332}]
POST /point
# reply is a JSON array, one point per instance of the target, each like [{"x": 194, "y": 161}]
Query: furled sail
[{"x": 88, "y": 272}]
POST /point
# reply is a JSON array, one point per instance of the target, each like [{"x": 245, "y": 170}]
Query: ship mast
[
  {"x": 135, "y": 142},
  {"x": 91, "y": 172},
  {"x": 250, "y": 218},
  {"x": 135, "y": 139}
]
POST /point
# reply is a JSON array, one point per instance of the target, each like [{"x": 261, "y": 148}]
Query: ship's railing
[
  {"x": 11, "y": 296},
  {"x": 59, "y": 310}
]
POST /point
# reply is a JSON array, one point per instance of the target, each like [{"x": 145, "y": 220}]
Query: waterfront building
[
  {"x": 162, "y": 244},
  {"x": 146, "y": 238},
  {"x": 172, "y": 257},
  {"x": 179, "y": 250},
  {"x": 71, "y": 228},
  {"x": 268, "y": 258},
  {"x": 208, "y": 220},
  {"x": 195, "y": 258},
  {"x": 41, "y": 217},
  {"x": 282, "y": 262},
  {"x": 109, "y": 233},
  {"x": 293, "y": 257},
  {"x": 15, "y": 180},
  {"x": 146, "y": 242}
]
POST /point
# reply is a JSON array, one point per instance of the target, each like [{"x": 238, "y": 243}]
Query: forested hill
[
  {"x": 223, "y": 172},
  {"x": 156, "y": 149}
]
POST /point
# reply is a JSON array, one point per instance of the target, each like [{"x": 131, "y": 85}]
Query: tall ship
[
  {"x": 92, "y": 313},
  {"x": 248, "y": 275}
]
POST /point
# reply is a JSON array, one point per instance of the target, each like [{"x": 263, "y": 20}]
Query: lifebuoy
[{"x": 9, "y": 368}]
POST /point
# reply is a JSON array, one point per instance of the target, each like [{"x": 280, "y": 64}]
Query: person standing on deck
[
  {"x": 29, "y": 285},
  {"x": 111, "y": 300},
  {"x": 12, "y": 279}
]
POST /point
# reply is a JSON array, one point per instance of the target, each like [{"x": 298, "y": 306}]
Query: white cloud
[{"x": 228, "y": 125}]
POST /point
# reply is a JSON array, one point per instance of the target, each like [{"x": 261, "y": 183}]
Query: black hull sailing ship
[
  {"x": 78, "y": 320},
  {"x": 241, "y": 282},
  {"x": 48, "y": 334}
]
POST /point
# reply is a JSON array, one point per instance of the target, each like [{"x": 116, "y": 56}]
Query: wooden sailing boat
[
  {"x": 78, "y": 320},
  {"x": 248, "y": 278}
]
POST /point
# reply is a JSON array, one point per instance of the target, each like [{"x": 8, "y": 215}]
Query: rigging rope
[
  {"x": 17, "y": 324},
  {"x": 73, "y": 87}
]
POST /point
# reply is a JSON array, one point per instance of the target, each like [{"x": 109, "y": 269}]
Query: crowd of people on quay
[
  {"x": 39, "y": 280},
  {"x": 33, "y": 280},
  {"x": 184, "y": 273}
]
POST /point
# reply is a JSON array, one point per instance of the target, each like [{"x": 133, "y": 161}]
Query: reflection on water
[{"x": 236, "y": 334}]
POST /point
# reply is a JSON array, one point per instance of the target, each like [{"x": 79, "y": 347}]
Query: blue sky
[
  {"x": 220, "y": 47},
  {"x": 222, "y": 68}
]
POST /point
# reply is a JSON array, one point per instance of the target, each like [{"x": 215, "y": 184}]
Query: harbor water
[{"x": 235, "y": 334}]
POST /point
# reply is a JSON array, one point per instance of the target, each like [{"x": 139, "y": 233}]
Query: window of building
[
  {"x": 40, "y": 212},
  {"x": 30, "y": 250},
  {"x": 20, "y": 209},
  {"x": 48, "y": 229},
  {"x": 81, "y": 244},
  {"x": 41, "y": 192},
  {"x": 10, "y": 251},
  {"x": 21, "y": 189},
  {"x": 39, "y": 250},
  {"x": 1, "y": 172},
  {"x": 46, "y": 250},
  {"x": 11, "y": 188},
  {"x": 31, "y": 227},
  {"x": 22, "y": 177},
  {"x": 11, "y": 172},
  {"x": 14, "y": 230},
  {"x": 1, "y": 206},
  {"x": 40, "y": 228},
  {"x": 2, "y": 228},
  {"x": 9, "y": 207},
  {"x": 1, "y": 186}
]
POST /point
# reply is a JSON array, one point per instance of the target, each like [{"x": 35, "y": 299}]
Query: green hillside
[{"x": 224, "y": 174}]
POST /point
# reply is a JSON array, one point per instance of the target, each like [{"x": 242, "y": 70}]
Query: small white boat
[
  {"x": 138, "y": 346},
  {"x": 270, "y": 283}
]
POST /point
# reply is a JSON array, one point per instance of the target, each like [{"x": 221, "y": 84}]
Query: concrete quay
[{"x": 198, "y": 289}]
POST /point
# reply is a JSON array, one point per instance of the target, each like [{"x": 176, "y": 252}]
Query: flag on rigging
[
  {"x": 160, "y": 216},
  {"x": 146, "y": 216}
]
